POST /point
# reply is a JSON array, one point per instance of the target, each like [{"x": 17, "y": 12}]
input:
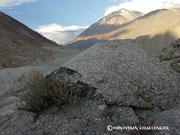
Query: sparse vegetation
[{"x": 44, "y": 91}]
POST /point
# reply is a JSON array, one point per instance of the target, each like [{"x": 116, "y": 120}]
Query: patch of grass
[{"x": 44, "y": 91}]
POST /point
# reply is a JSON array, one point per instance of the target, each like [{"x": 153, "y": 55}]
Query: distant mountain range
[
  {"x": 103, "y": 26},
  {"x": 19, "y": 45},
  {"x": 111, "y": 22},
  {"x": 154, "y": 30}
]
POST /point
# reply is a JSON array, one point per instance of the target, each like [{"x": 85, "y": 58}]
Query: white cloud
[
  {"x": 11, "y": 3},
  {"x": 144, "y": 6},
  {"x": 61, "y": 34}
]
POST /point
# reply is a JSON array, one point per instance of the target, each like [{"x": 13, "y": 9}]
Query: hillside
[
  {"x": 107, "y": 24},
  {"x": 21, "y": 46}
]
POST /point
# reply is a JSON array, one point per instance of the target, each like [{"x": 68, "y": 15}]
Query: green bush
[{"x": 43, "y": 92}]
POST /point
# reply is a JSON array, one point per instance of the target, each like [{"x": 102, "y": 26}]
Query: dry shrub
[{"x": 43, "y": 92}]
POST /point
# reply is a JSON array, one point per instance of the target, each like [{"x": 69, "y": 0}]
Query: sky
[{"x": 63, "y": 20}]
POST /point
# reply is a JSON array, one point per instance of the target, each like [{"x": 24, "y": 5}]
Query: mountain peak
[
  {"x": 119, "y": 17},
  {"x": 111, "y": 22}
]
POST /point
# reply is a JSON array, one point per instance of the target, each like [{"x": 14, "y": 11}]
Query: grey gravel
[
  {"x": 127, "y": 75},
  {"x": 12, "y": 79}
]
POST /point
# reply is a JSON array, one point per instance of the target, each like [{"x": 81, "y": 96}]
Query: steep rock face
[
  {"x": 125, "y": 74},
  {"x": 106, "y": 24}
]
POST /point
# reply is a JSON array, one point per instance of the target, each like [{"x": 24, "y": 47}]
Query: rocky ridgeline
[{"x": 116, "y": 83}]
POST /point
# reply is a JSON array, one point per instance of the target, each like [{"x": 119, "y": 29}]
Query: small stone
[
  {"x": 102, "y": 107},
  {"x": 98, "y": 119},
  {"x": 49, "y": 127},
  {"x": 80, "y": 133},
  {"x": 38, "y": 122},
  {"x": 65, "y": 121}
]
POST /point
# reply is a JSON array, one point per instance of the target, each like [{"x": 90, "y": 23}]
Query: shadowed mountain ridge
[{"x": 20, "y": 46}]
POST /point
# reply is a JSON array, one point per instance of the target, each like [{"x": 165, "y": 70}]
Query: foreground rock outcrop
[{"x": 125, "y": 74}]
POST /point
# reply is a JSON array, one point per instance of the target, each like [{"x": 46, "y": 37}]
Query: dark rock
[{"x": 71, "y": 79}]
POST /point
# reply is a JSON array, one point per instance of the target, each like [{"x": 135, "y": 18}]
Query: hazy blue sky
[
  {"x": 64, "y": 12},
  {"x": 63, "y": 20}
]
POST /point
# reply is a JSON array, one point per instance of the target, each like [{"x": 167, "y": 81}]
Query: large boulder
[{"x": 125, "y": 74}]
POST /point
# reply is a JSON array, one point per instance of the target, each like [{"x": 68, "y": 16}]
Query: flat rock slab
[{"x": 125, "y": 74}]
